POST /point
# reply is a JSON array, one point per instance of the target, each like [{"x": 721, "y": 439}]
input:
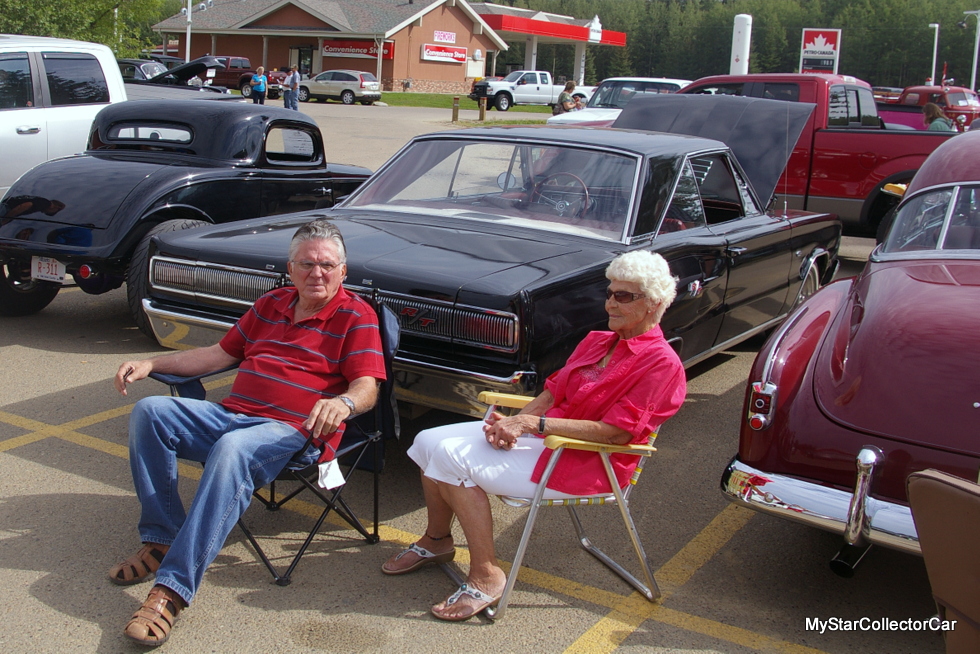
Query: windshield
[
  {"x": 962, "y": 99},
  {"x": 944, "y": 219},
  {"x": 513, "y": 77},
  {"x": 551, "y": 187},
  {"x": 152, "y": 69},
  {"x": 617, "y": 94}
]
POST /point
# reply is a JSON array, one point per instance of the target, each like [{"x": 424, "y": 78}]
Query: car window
[
  {"x": 720, "y": 89},
  {"x": 720, "y": 192},
  {"x": 74, "y": 79},
  {"x": 960, "y": 99},
  {"x": 323, "y": 77},
  {"x": 551, "y": 187},
  {"x": 368, "y": 77},
  {"x": 530, "y": 78},
  {"x": 16, "y": 83},
  {"x": 844, "y": 109},
  {"x": 685, "y": 210},
  {"x": 152, "y": 69},
  {"x": 918, "y": 224},
  {"x": 165, "y": 133},
  {"x": 128, "y": 71},
  {"x": 290, "y": 145},
  {"x": 788, "y": 92},
  {"x": 344, "y": 77}
]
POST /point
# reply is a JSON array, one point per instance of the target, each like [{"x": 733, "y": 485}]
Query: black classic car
[
  {"x": 182, "y": 76},
  {"x": 152, "y": 167},
  {"x": 491, "y": 245}
]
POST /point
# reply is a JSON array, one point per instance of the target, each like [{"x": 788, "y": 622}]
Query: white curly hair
[{"x": 650, "y": 272}]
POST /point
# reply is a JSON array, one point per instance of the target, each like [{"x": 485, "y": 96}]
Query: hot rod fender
[{"x": 782, "y": 363}]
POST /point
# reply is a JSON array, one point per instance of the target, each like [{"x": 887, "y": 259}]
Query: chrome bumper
[
  {"x": 416, "y": 382},
  {"x": 882, "y": 523}
]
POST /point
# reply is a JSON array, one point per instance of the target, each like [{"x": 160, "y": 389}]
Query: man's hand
[
  {"x": 131, "y": 371},
  {"x": 326, "y": 416}
]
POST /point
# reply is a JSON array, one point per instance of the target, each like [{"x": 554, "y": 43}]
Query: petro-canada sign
[{"x": 820, "y": 50}]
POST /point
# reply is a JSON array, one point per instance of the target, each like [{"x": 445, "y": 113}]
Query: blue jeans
[
  {"x": 290, "y": 99},
  {"x": 240, "y": 453}
]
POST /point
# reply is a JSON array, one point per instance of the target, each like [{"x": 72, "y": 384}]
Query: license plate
[{"x": 47, "y": 269}]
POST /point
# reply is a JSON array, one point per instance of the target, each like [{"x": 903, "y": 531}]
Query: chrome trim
[
  {"x": 186, "y": 277},
  {"x": 732, "y": 342},
  {"x": 857, "y": 527},
  {"x": 512, "y": 379},
  {"x": 776, "y": 339},
  {"x": 887, "y": 523}
]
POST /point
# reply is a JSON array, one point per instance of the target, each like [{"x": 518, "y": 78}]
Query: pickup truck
[
  {"x": 959, "y": 103},
  {"x": 238, "y": 73},
  {"x": 523, "y": 87},
  {"x": 845, "y": 156}
]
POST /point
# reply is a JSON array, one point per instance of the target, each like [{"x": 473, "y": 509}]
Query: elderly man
[
  {"x": 309, "y": 357},
  {"x": 290, "y": 92}
]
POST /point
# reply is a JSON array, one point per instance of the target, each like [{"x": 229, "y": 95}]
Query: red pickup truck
[
  {"x": 959, "y": 103},
  {"x": 845, "y": 155},
  {"x": 237, "y": 74}
]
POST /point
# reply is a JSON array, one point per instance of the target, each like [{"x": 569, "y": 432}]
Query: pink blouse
[{"x": 642, "y": 385}]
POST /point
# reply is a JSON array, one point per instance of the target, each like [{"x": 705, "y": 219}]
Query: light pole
[
  {"x": 976, "y": 46},
  {"x": 935, "y": 50},
  {"x": 188, "y": 11}
]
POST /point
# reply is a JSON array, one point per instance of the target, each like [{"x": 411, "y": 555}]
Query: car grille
[{"x": 216, "y": 284}]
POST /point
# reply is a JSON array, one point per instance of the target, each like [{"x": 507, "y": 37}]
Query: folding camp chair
[
  {"x": 619, "y": 497},
  {"x": 362, "y": 447},
  {"x": 946, "y": 510}
]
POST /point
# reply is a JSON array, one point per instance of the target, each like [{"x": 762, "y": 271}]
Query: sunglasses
[{"x": 623, "y": 297}]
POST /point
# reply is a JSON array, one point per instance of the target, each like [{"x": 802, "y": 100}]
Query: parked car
[
  {"x": 612, "y": 95},
  {"x": 348, "y": 86},
  {"x": 491, "y": 245},
  {"x": 874, "y": 377},
  {"x": 152, "y": 167},
  {"x": 523, "y": 87},
  {"x": 184, "y": 76}
]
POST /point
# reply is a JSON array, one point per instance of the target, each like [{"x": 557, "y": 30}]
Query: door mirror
[{"x": 507, "y": 181}]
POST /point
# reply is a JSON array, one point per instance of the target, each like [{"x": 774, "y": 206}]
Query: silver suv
[{"x": 348, "y": 86}]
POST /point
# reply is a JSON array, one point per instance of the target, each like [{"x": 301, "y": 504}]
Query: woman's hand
[{"x": 502, "y": 431}]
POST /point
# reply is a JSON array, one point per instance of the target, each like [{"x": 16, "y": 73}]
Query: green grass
[{"x": 445, "y": 101}]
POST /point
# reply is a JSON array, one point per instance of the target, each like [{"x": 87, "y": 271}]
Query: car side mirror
[
  {"x": 522, "y": 81},
  {"x": 506, "y": 181}
]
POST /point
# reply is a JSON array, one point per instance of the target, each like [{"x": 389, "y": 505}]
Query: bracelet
[{"x": 541, "y": 425}]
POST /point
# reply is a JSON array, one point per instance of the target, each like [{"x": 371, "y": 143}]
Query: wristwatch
[
  {"x": 541, "y": 426},
  {"x": 349, "y": 402}
]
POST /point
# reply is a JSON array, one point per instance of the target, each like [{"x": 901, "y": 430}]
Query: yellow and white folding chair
[{"x": 619, "y": 497}]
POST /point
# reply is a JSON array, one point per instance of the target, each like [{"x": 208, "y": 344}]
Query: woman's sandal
[
  {"x": 139, "y": 566},
  {"x": 151, "y": 624},
  {"x": 427, "y": 558},
  {"x": 483, "y": 601}
]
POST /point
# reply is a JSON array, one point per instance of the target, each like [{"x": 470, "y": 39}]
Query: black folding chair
[{"x": 362, "y": 447}]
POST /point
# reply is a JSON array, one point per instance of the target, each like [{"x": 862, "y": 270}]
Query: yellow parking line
[
  {"x": 610, "y": 632},
  {"x": 26, "y": 439},
  {"x": 23, "y": 423},
  {"x": 728, "y": 633}
]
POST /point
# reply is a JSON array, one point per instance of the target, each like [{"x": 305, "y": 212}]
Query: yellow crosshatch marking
[{"x": 626, "y": 612}]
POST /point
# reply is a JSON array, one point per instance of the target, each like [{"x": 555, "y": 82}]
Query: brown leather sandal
[
  {"x": 139, "y": 566},
  {"x": 151, "y": 624}
]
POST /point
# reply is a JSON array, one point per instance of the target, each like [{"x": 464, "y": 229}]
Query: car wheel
[
  {"x": 811, "y": 284},
  {"x": 138, "y": 275},
  {"x": 19, "y": 294},
  {"x": 246, "y": 90},
  {"x": 273, "y": 95},
  {"x": 347, "y": 97},
  {"x": 502, "y": 102},
  {"x": 304, "y": 94}
]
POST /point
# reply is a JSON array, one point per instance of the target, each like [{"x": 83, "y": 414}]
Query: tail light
[
  {"x": 364, "y": 82},
  {"x": 85, "y": 271},
  {"x": 762, "y": 403}
]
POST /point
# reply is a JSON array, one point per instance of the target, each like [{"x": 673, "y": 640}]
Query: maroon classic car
[{"x": 875, "y": 377}]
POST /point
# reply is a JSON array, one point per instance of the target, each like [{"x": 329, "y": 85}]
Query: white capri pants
[{"x": 460, "y": 454}]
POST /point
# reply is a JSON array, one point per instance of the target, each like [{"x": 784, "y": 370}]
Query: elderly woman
[
  {"x": 567, "y": 101},
  {"x": 618, "y": 386}
]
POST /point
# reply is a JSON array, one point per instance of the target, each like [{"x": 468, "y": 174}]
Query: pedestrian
[
  {"x": 290, "y": 94},
  {"x": 935, "y": 119},
  {"x": 258, "y": 84}
]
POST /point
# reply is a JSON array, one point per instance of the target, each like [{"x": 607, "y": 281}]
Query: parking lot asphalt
[{"x": 733, "y": 581}]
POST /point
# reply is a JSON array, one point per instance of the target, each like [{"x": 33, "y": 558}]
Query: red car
[{"x": 875, "y": 377}]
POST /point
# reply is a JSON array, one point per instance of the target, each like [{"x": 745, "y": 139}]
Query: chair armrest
[
  {"x": 189, "y": 387},
  {"x": 505, "y": 399},
  {"x": 554, "y": 442}
]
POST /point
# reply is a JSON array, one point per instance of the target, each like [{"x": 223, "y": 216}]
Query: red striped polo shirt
[{"x": 286, "y": 368}]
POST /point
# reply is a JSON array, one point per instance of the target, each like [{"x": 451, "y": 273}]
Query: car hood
[
  {"x": 762, "y": 133},
  {"x": 587, "y": 115},
  {"x": 63, "y": 189},
  {"x": 901, "y": 358},
  {"x": 186, "y": 71},
  {"x": 386, "y": 252}
]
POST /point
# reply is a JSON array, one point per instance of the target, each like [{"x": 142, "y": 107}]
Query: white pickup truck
[
  {"x": 50, "y": 91},
  {"x": 523, "y": 87}
]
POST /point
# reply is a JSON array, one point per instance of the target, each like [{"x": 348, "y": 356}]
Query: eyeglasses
[
  {"x": 623, "y": 297},
  {"x": 308, "y": 266}
]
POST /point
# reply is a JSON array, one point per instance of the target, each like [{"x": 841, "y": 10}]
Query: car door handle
[
  {"x": 323, "y": 190},
  {"x": 28, "y": 129},
  {"x": 695, "y": 288},
  {"x": 734, "y": 252}
]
